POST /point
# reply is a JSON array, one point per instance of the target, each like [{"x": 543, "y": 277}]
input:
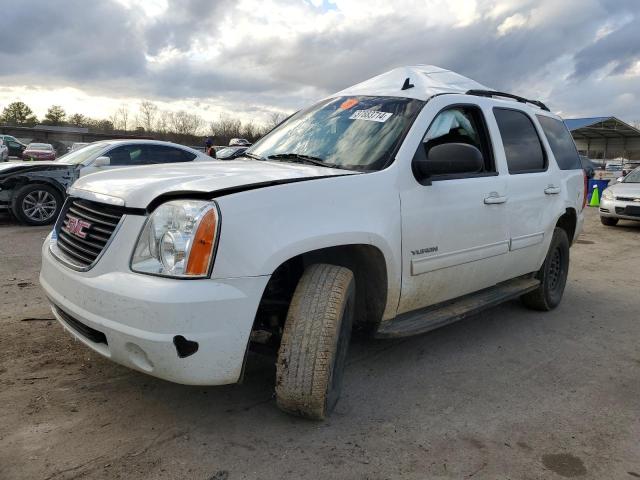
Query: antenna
[{"x": 407, "y": 84}]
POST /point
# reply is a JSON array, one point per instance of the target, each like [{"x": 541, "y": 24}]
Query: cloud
[
  {"x": 252, "y": 56},
  {"x": 620, "y": 48}
]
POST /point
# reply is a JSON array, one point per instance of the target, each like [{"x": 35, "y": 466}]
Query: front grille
[
  {"x": 630, "y": 210},
  {"x": 85, "y": 228},
  {"x": 91, "y": 333},
  {"x": 628, "y": 199}
]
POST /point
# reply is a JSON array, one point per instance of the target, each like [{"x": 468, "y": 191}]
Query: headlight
[
  {"x": 178, "y": 240},
  {"x": 607, "y": 195}
]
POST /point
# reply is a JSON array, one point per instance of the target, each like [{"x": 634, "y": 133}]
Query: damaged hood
[
  {"x": 20, "y": 167},
  {"x": 137, "y": 187}
]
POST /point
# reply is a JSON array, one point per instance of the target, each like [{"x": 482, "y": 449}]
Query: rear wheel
[
  {"x": 315, "y": 342},
  {"x": 609, "y": 221},
  {"x": 37, "y": 204},
  {"x": 552, "y": 275}
]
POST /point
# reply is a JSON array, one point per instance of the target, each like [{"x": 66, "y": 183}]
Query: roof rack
[{"x": 493, "y": 93}]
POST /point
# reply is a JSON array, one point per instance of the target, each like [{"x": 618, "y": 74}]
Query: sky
[{"x": 251, "y": 58}]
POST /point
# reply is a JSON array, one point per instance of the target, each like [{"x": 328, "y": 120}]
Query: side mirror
[
  {"x": 447, "y": 159},
  {"x": 619, "y": 179},
  {"x": 102, "y": 162}
]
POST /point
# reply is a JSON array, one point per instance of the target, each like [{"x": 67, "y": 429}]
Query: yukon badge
[
  {"x": 77, "y": 226},
  {"x": 425, "y": 250}
]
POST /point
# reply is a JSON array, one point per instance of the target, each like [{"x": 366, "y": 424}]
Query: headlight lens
[
  {"x": 178, "y": 240},
  {"x": 607, "y": 195}
]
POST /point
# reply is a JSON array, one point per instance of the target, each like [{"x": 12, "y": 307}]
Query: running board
[{"x": 425, "y": 319}]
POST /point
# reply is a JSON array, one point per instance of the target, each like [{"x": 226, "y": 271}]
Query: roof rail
[{"x": 493, "y": 93}]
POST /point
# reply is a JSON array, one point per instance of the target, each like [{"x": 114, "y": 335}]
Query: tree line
[{"x": 146, "y": 120}]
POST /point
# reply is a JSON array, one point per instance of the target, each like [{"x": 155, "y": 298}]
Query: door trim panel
[
  {"x": 526, "y": 241},
  {"x": 459, "y": 257}
]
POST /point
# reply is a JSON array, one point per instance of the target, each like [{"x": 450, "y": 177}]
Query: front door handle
[
  {"x": 494, "y": 199},
  {"x": 552, "y": 190}
]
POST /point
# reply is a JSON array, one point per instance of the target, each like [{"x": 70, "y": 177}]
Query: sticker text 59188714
[{"x": 371, "y": 115}]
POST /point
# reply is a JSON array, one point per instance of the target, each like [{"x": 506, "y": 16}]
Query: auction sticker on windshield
[{"x": 371, "y": 115}]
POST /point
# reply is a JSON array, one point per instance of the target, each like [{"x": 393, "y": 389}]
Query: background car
[
  {"x": 4, "y": 152},
  {"x": 613, "y": 168},
  {"x": 629, "y": 166},
  {"x": 16, "y": 147},
  {"x": 587, "y": 166},
  {"x": 229, "y": 153},
  {"x": 39, "y": 151},
  {"x": 34, "y": 191},
  {"x": 239, "y": 142}
]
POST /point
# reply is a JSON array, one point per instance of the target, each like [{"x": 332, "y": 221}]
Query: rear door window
[
  {"x": 164, "y": 154},
  {"x": 522, "y": 146},
  {"x": 148, "y": 155},
  {"x": 561, "y": 143}
]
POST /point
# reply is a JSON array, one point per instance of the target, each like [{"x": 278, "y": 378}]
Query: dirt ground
[{"x": 508, "y": 394}]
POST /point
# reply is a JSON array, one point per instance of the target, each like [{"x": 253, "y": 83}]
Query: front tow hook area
[{"x": 184, "y": 347}]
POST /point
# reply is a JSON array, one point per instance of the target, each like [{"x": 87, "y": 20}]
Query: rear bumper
[{"x": 134, "y": 319}]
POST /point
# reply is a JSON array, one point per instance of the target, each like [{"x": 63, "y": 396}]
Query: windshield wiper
[{"x": 301, "y": 158}]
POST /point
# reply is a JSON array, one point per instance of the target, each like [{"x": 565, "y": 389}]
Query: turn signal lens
[{"x": 203, "y": 243}]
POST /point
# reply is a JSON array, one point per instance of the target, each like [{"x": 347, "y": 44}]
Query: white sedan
[{"x": 35, "y": 191}]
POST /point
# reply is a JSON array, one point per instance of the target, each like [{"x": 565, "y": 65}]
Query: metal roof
[
  {"x": 600, "y": 127},
  {"x": 575, "y": 123}
]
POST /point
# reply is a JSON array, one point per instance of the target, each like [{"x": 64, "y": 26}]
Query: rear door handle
[
  {"x": 494, "y": 199},
  {"x": 552, "y": 190}
]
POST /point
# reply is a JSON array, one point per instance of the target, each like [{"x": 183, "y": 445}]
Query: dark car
[
  {"x": 16, "y": 147},
  {"x": 587, "y": 166},
  {"x": 229, "y": 153}
]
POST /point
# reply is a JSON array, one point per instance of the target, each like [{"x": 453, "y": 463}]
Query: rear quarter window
[{"x": 561, "y": 143}]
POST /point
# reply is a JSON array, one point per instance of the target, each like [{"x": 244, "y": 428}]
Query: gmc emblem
[{"x": 77, "y": 226}]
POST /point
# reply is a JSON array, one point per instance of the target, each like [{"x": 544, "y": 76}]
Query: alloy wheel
[{"x": 39, "y": 205}]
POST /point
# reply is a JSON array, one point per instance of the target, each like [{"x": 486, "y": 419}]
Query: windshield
[
  {"x": 40, "y": 146},
  {"x": 85, "y": 153},
  {"x": 633, "y": 177},
  {"x": 352, "y": 132}
]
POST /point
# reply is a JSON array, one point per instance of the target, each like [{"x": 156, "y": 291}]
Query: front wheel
[
  {"x": 37, "y": 204},
  {"x": 609, "y": 221},
  {"x": 315, "y": 341},
  {"x": 552, "y": 275}
]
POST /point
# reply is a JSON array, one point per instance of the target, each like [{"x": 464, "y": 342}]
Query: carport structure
[{"x": 605, "y": 138}]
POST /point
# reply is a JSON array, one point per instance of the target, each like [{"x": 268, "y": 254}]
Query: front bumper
[
  {"x": 140, "y": 315},
  {"x": 618, "y": 209}
]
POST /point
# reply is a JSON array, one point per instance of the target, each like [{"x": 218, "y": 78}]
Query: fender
[
  {"x": 20, "y": 180},
  {"x": 60, "y": 177},
  {"x": 261, "y": 229}
]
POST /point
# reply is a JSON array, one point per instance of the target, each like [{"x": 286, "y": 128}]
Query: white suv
[{"x": 396, "y": 206}]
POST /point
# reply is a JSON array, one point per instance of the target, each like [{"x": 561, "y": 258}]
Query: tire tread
[{"x": 309, "y": 340}]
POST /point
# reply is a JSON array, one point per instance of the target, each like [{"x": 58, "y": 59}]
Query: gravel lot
[{"x": 509, "y": 394}]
